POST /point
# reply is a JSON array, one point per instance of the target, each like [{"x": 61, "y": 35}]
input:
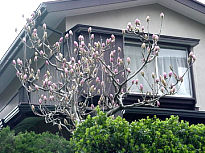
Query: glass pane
[
  {"x": 134, "y": 52},
  {"x": 178, "y": 60}
]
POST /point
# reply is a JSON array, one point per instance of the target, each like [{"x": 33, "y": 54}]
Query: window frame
[{"x": 177, "y": 42}]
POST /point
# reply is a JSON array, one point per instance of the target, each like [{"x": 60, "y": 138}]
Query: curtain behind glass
[
  {"x": 134, "y": 52},
  {"x": 178, "y": 60}
]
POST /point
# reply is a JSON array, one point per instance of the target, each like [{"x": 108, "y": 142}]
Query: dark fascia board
[
  {"x": 163, "y": 38},
  {"x": 24, "y": 110},
  {"x": 194, "y": 4},
  {"x": 166, "y": 112},
  {"x": 55, "y": 6}
]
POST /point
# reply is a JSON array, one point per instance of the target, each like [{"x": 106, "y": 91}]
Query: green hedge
[
  {"x": 103, "y": 134},
  {"x": 29, "y": 142}
]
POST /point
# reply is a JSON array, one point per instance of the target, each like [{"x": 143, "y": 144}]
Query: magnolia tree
[{"x": 85, "y": 72}]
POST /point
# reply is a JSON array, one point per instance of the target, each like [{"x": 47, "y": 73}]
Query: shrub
[
  {"x": 102, "y": 134},
  {"x": 29, "y": 142}
]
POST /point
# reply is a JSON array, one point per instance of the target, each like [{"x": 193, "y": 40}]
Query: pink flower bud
[
  {"x": 66, "y": 36},
  {"x": 170, "y": 73},
  {"x": 191, "y": 54},
  {"x": 41, "y": 52},
  {"x": 162, "y": 15},
  {"x": 80, "y": 38},
  {"x": 36, "y": 87},
  {"x": 156, "y": 48},
  {"x": 119, "y": 49},
  {"x": 70, "y": 32},
  {"x": 128, "y": 60},
  {"x": 34, "y": 31},
  {"x": 157, "y": 80},
  {"x": 14, "y": 62},
  {"x": 89, "y": 30},
  {"x": 49, "y": 83},
  {"x": 158, "y": 103},
  {"x": 44, "y": 26},
  {"x": 136, "y": 81},
  {"x": 153, "y": 75},
  {"x": 133, "y": 81},
  {"x": 61, "y": 40},
  {"x": 143, "y": 46},
  {"x": 137, "y": 22},
  {"x": 40, "y": 101},
  {"x": 25, "y": 76},
  {"x": 147, "y": 18},
  {"x": 111, "y": 60},
  {"x": 111, "y": 96},
  {"x": 57, "y": 44},
  {"x": 155, "y": 37},
  {"x": 141, "y": 87},
  {"x": 82, "y": 82},
  {"x": 108, "y": 41},
  {"x": 24, "y": 39},
  {"x": 19, "y": 62},
  {"x": 128, "y": 70},
  {"x": 129, "y": 26},
  {"x": 102, "y": 83},
  {"x": 47, "y": 63},
  {"x": 35, "y": 58},
  {"x": 92, "y": 106},
  {"x": 44, "y": 98},
  {"x": 75, "y": 44},
  {"x": 115, "y": 71},
  {"x": 71, "y": 70},
  {"x": 98, "y": 80},
  {"x": 92, "y": 36},
  {"x": 165, "y": 75},
  {"x": 112, "y": 37},
  {"x": 82, "y": 43},
  {"x": 72, "y": 59}
]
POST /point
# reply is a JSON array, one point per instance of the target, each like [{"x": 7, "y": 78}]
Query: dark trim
[
  {"x": 168, "y": 40},
  {"x": 193, "y": 4},
  {"x": 192, "y": 116},
  {"x": 56, "y": 6},
  {"x": 182, "y": 41}
]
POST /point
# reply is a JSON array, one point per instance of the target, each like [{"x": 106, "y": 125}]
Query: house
[{"x": 183, "y": 31}]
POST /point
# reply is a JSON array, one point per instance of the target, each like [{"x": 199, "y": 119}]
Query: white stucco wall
[{"x": 174, "y": 25}]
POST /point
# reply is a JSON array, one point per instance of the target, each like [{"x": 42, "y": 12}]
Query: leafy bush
[
  {"x": 102, "y": 134},
  {"x": 29, "y": 142}
]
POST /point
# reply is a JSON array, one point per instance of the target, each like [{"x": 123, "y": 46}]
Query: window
[{"x": 168, "y": 56}]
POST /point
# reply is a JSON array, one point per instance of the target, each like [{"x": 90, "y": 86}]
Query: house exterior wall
[{"x": 174, "y": 25}]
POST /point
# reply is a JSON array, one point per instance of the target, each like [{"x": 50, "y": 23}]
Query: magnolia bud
[
  {"x": 128, "y": 60},
  {"x": 137, "y": 22},
  {"x": 70, "y": 32},
  {"x": 162, "y": 15},
  {"x": 143, "y": 46},
  {"x": 147, "y": 18},
  {"x": 89, "y": 30},
  {"x": 44, "y": 26},
  {"x": 14, "y": 62},
  {"x": 170, "y": 73},
  {"x": 141, "y": 87}
]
